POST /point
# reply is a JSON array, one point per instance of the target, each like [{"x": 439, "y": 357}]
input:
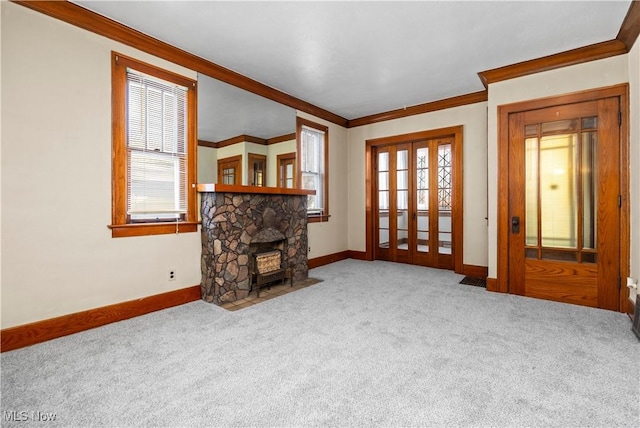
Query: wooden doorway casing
[
  {"x": 456, "y": 132},
  {"x": 503, "y": 220}
]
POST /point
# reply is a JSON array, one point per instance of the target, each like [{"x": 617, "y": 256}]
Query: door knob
[{"x": 515, "y": 224}]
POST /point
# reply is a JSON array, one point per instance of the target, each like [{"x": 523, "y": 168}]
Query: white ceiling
[{"x": 361, "y": 58}]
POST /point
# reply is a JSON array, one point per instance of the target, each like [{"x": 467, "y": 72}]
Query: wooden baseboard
[
  {"x": 492, "y": 284},
  {"x": 631, "y": 306},
  {"x": 329, "y": 258},
  {"x": 358, "y": 255},
  {"x": 41, "y": 331},
  {"x": 475, "y": 271}
]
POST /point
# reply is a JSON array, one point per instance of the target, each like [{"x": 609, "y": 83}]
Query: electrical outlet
[{"x": 172, "y": 275}]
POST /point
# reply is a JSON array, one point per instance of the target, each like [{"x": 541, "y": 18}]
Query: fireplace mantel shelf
[{"x": 228, "y": 188}]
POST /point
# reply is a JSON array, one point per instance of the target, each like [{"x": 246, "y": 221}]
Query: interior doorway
[
  {"x": 415, "y": 193},
  {"x": 566, "y": 236}
]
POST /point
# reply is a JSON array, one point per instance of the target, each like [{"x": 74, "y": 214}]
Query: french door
[
  {"x": 564, "y": 203},
  {"x": 414, "y": 195}
]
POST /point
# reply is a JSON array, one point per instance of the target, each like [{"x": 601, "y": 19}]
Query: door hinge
[
  {"x": 619, "y": 201},
  {"x": 619, "y": 118},
  {"x": 619, "y": 283}
]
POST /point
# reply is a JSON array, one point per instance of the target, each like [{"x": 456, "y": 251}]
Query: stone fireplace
[{"x": 239, "y": 221}]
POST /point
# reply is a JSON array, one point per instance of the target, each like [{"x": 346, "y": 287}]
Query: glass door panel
[
  {"x": 402, "y": 199},
  {"x": 383, "y": 199},
  {"x": 422, "y": 199},
  {"x": 444, "y": 199},
  {"x": 560, "y": 190}
]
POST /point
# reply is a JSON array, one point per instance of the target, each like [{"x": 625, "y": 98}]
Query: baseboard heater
[{"x": 635, "y": 326}]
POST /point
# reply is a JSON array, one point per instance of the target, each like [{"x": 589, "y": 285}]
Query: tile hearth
[{"x": 274, "y": 291}]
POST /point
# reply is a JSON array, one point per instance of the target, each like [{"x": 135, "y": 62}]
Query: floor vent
[{"x": 635, "y": 327}]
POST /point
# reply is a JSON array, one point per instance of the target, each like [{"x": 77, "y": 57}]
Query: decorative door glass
[
  {"x": 402, "y": 199},
  {"x": 383, "y": 199},
  {"x": 422, "y": 199},
  {"x": 560, "y": 176}
]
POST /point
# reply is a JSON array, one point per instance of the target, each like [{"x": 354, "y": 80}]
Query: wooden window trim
[
  {"x": 300, "y": 122},
  {"x": 119, "y": 226}
]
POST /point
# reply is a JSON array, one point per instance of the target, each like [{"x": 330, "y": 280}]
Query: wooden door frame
[
  {"x": 503, "y": 224},
  {"x": 280, "y": 173},
  {"x": 457, "y": 200},
  {"x": 232, "y": 159},
  {"x": 260, "y": 157}
]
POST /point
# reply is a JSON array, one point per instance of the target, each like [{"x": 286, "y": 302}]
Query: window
[
  {"x": 154, "y": 148},
  {"x": 313, "y": 167}
]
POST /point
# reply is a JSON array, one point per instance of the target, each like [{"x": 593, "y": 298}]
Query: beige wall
[
  {"x": 595, "y": 74},
  {"x": 207, "y": 165},
  {"x": 474, "y": 120},
  {"x": 331, "y": 236},
  {"x": 272, "y": 159},
  {"x": 634, "y": 160},
  {"x": 58, "y": 254}
]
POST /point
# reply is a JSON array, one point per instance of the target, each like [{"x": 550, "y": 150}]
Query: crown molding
[
  {"x": 281, "y": 138},
  {"x": 91, "y": 21},
  {"x": 247, "y": 139},
  {"x": 630, "y": 27},
  {"x": 98, "y": 24},
  {"x": 552, "y": 62},
  {"x": 472, "y": 98},
  {"x": 205, "y": 143}
]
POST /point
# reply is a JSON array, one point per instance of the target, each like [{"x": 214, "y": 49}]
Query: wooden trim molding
[
  {"x": 551, "y": 62},
  {"x": 141, "y": 229},
  {"x": 631, "y": 307},
  {"x": 357, "y": 255},
  {"x": 210, "y": 144},
  {"x": 281, "y": 138},
  {"x": 475, "y": 271},
  {"x": 41, "y": 331},
  {"x": 462, "y": 100},
  {"x": 630, "y": 28},
  {"x": 329, "y": 258},
  {"x": 98, "y": 24},
  {"x": 240, "y": 139},
  {"x": 247, "y": 139},
  {"x": 230, "y": 188},
  {"x": 492, "y": 285}
]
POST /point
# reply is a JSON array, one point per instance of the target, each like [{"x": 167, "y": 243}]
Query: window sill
[
  {"x": 317, "y": 218},
  {"x": 143, "y": 229}
]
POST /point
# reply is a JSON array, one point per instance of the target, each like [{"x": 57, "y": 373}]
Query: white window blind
[
  {"x": 312, "y": 167},
  {"x": 156, "y": 149}
]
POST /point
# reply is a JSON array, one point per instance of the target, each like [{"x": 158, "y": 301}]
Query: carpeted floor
[{"x": 373, "y": 344}]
